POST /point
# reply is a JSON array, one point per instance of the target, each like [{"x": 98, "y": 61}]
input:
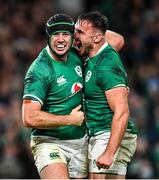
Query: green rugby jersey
[
  {"x": 58, "y": 87},
  {"x": 102, "y": 72}
]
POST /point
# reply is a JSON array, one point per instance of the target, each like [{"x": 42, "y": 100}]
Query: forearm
[
  {"x": 41, "y": 120},
  {"x": 118, "y": 102},
  {"x": 34, "y": 117},
  {"x": 118, "y": 128},
  {"x": 116, "y": 40}
]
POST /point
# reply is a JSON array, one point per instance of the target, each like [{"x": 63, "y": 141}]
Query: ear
[{"x": 98, "y": 37}]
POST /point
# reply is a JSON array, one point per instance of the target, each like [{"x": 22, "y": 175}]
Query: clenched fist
[{"x": 76, "y": 116}]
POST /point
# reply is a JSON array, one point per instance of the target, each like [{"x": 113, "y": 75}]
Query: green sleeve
[
  {"x": 36, "y": 84},
  {"x": 111, "y": 77}
]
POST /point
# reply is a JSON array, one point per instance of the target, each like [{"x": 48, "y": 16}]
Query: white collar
[
  {"x": 48, "y": 51},
  {"x": 101, "y": 48}
]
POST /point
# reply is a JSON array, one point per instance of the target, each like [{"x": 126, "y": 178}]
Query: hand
[
  {"x": 104, "y": 161},
  {"x": 77, "y": 116}
]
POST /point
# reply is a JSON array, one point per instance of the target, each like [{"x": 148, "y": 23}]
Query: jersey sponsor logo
[
  {"x": 61, "y": 80},
  {"x": 88, "y": 76},
  {"x": 78, "y": 70},
  {"x": 76, "y": 87}
]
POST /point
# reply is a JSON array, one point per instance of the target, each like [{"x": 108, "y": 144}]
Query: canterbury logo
[
  {"x": 55, "y": 155},
  {"x": 61, "y": 80}
]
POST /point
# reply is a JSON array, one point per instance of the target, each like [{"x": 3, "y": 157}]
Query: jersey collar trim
[
  {"x": 47, "y": 49},
  {"x": 101, "y": 48}
]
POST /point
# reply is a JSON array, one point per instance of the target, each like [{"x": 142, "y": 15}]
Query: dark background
[{"x": 22, "y": 36}]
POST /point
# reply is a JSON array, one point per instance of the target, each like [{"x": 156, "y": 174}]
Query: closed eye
[{"x": 79, "y": 31}]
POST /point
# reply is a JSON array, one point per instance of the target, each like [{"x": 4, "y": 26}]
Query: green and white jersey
[
  {"x": 102, "y": 72},
  {"x": 58, "y": 87}
]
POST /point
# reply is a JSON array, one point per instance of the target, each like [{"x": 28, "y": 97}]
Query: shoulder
[
  {"x": 110, "y": 53},
  {"x": 41, "y": 66},
  {"x": 109, "y": 57}
]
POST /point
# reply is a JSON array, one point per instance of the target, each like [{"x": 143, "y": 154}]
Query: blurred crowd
[{"x": 22, "y": 36}]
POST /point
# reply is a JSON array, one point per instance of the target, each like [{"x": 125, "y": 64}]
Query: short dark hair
[
  {"x": 58, "y": 23},
  {"x": 97, "y": 19}
]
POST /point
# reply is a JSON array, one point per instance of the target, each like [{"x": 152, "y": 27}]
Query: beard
[{"x": 85, "y": 50}]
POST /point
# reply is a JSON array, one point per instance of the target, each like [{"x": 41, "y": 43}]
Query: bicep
[
  {"x": 117, "y": 99},
  {"x": 29, "y": 108},
  {"x": 29, "y": 105}
]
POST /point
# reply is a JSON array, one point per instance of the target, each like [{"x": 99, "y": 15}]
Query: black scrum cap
[{"x": 59, "y": 23}]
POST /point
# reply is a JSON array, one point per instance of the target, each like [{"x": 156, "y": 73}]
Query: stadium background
[{"x": 22, "y": 36}]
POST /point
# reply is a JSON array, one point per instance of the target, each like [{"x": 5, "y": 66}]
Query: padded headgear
[{"x": 59, "y": 23}]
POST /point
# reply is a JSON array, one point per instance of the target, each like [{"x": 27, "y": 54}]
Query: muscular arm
[
  {"x": 118, "y": 102},
  {"x": 115, "y": 40},
  {"x": 34, "y": 117}
]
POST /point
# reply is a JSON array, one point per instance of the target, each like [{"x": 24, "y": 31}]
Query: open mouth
[
  {"x": 60, "y": 47},
  {"x": 77, "y": 44}
]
